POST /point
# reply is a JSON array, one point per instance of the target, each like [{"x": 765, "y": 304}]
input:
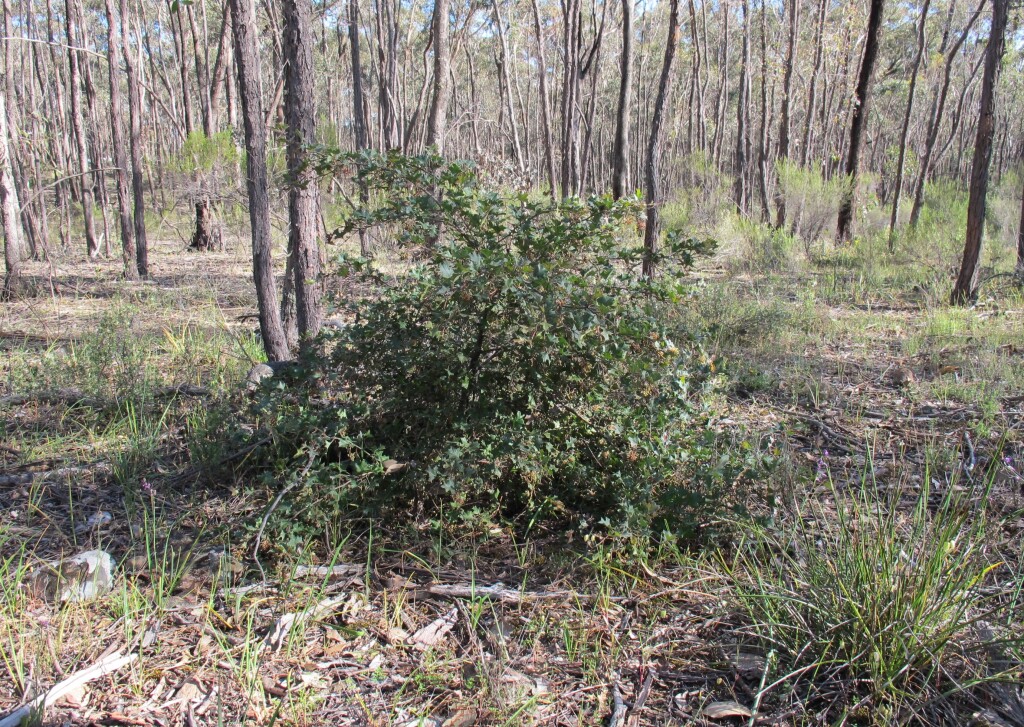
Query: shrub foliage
[{"x": 522, "y": 368}]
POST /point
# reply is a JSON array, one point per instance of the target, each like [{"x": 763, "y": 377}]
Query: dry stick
[
  {"x": 107, "y": 665},
  {"x": 273, "y": 506},
  {"x": 619, "y": 711}
]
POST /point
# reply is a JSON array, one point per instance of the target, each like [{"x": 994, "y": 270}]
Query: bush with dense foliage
[{"x": 521, "y": 369}]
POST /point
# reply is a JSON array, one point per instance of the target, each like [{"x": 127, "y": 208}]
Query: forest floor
[{"x": 104, "y": 386}]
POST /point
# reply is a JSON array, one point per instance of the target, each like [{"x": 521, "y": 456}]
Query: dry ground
[{"x": 409, "y": 628}]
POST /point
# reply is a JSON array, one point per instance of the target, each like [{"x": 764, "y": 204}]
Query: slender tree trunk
[
  {"x": 935, "y": 119},
  {"x": 812, "y": 87},
  {"x": 897, "y": 190},
  {"x": 437, "y": 118},
  {"x": 652, "y": 230},
  {"x": 248, "y": 66},
  {"x": 78, "y": 127},
  {"x": 299, "y": 102},
  {"x": 787, "y": 96},
  {"x": 965, "y": 290},
  {"x": 135, "y": 147},
  {"x": 124, "y": 211},
  {"x": 545, "y": 101},
  {"x": 9, "y": 210},
  {"x": 505, "y": 83},
  {"x": 741, "y": 191},
  {"x": 358, "y": 112},
  {"x": 621, "y": 150},
  {"x": 860, "y": 116}
]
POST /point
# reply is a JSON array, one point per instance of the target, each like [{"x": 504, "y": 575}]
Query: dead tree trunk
[
  {"x": 652, "y": 230},
  {"x": 965, "y": 290},
  {"x": 860, "y": 116},
  {"x": 124, "y": 211},
  {"x": 300, "y": 124},
  {"x": 248, "y": 66}
]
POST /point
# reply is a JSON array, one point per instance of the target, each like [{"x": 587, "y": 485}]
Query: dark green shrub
[{"x": 522, "y": 369}]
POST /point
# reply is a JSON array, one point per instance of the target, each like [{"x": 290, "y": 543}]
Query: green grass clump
[{"x": 867, "y": 609}]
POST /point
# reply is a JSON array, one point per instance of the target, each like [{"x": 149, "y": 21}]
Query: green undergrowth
[
  {"x": 883, "y": 612},
  {"x": 523, "y": 370}
]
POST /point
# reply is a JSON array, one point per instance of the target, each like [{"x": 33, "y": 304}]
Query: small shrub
[{"x": 523, "y": 369}]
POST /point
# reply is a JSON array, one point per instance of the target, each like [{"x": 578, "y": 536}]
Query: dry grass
[{"x": 581, "y": 624}]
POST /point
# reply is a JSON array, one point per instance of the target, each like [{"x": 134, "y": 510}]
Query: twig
[
  {"x": 619, "y": 710},
  {"x": 645, "y": 692},
  {"x": 107, "y": 665},
  {"x": 273, "y": 506}
]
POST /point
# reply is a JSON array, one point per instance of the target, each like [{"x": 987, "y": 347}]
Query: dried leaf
[
  {"x": 432, "y": 633},
  {"x": 724, "y": 710}
]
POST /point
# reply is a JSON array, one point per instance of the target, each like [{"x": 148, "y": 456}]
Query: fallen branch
[
  {"x": 499, "y": 592},
  {"x": 107, "y": 665}
]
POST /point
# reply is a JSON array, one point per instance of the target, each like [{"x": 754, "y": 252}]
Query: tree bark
[
  {"x": 897, "y": 190},
  {"x": 787, "y": 95},
  {"x": 124, "y": 211},
  {"x": 248, "y": 67},
  {"x": 741, "y": 191},
  {"x": 858, "y": 123},
  {"x": 545, "y": 102},
  {"x": 965, "y": 289},
  {"x": 652, "y": 230},
  {"x": 9, "y": 210},
  {"x": 77, "y": 126},
  {"x": 621, "y": 150},
  {"x": 358, "y": 112},
  {"x": 135, "y": 147},
  {"x": 935, "y": 118},
  {"x": 437, "y": 117},
  {"x": 300, "y": 124}
]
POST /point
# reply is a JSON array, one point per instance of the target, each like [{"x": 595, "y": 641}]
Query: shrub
[{"x": 522, "y": 369}]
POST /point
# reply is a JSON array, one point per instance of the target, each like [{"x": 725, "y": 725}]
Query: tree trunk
[
  {"x": 9, "y": 207},
  {"x": 787, "y": 95},
  {"x": 805, "y": 150},
  {"x": 621, "y": 150},
  {"x": 77, "y": 126},
  {"x": 299, "y": 103},
  {"x": 652, "y": 230},
  {"x": 545, "y": 101},
  {"x": 124, "y": 211},
  {"x": 935, "y": 119},
  {"x": 135, "y": 147},
  {"x": 358, "y": 112},
  {"x": 741, "y": 191},
  {"x": 1020, "y": 239},
  {"x": 965, "y": 290},
  {"x": 202, "y": 236},
  {"x": 859, "y": 121},
  {"x": 897, "y": 189},
  {"x": 437, "y": 117},
  {"x": 248, "y": 66}
]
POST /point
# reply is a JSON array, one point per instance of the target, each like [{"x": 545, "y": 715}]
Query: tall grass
[{"x": 869, "y": 609}]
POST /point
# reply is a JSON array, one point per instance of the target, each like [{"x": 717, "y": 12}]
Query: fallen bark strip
[
  {"x": 107, "y": 665},
  {"x": 499, "y": 592}
]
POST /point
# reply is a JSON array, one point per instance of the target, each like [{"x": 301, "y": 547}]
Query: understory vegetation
[{"x": 515, "y": 482}]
